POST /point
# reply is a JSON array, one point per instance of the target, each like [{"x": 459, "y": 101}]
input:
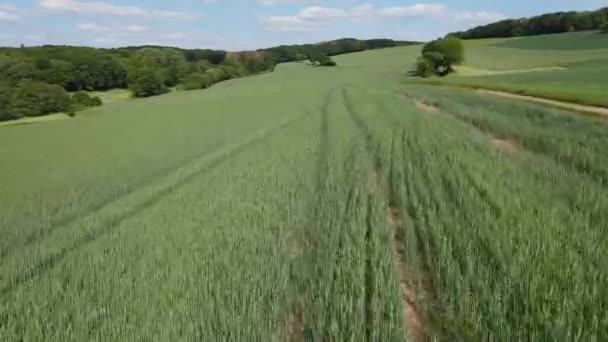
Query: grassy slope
[
  {"x": 248, "y": 209},
  {"x": 583, "y": 55}
]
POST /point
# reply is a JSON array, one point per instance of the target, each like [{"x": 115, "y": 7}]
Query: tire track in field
[
  {"x": 363, "y": 129},
  {"x": 411, "y": 318},
  {"x": 323, "y": 161},
  {"x": 131, "y": 207},
  {"x": 296, "y": 328},
  {"x": 369, "y": 274},
  {"x": 368, "y": 271},
  {"x": 39, "y": 234}
]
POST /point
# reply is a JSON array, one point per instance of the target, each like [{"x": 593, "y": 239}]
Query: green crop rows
[{"x": 294, "y": 214}]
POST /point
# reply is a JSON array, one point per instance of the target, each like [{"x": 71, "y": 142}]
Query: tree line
[
  {"x": 319, "y": 52},
  {"x": 558, "y": 22},
  {"x": 49, "y": 79}
]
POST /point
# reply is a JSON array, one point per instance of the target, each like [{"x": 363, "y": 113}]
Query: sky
[{"x": 251, "y": 24}]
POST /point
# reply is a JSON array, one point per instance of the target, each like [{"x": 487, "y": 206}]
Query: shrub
[
  {"x": 327, "y": 62},
  {"x": 217, "y": 75},
  {"x": 71, "y": 112},
  {"x": 34, "y": 98},
  {"x": 196, "y": 81},
  {"x": 440, "y": 64},
  {"x": 6, "y": 110},
  {"x": 81, "y": 100},
  {"x": 320, "y": 59},
  {"x": 147, "y": 83},
  {"x": 424, "y": 68},
  {"x": 604, "y": 28},
  {"x": 232, "y": 71}
]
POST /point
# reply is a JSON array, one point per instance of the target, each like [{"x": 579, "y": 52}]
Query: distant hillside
[
  {"x": 290, "y": 53},
  {"x": 558, "y": 22},
  {"x": 47, "y": 79}
]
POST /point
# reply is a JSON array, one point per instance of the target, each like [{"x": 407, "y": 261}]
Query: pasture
[{"x": 308, "y": 204}]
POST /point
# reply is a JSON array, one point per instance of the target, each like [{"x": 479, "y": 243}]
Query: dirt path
[
  {"x": 567, "y": 105},
  {"x": 422, "y": 105},
  {"x": 411, "y": 319}
]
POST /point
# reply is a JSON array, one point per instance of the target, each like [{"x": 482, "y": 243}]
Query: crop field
[
  {"x": 570, "y": 67},
  {"x": 307, "y": 204}
]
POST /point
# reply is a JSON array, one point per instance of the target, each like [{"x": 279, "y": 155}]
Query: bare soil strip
[
  {"x": 411, "y": 318},
  {"x": 429, "y": 108},
  {"x": 503, "y": 144},
  {"x": 567, "y": 105},
  {"x": 420, "y": 104},
  {"x": 295, "y": 323}
]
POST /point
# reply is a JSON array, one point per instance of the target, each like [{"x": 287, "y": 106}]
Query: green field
[
  {"x": 305, "y": 205},
  {"x": 570, "y": 67}
]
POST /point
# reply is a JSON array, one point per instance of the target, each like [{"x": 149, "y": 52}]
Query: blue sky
[{"x": 250, "y": 24}]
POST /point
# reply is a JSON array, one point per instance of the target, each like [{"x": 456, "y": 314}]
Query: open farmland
[
  {"x": 570, "y": 67},
  {"x": 307, "y": 204}
]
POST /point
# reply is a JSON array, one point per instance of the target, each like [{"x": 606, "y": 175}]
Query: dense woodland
[
  {"x": 558, "y": 22},
  {"x": 48, "y": 79}
]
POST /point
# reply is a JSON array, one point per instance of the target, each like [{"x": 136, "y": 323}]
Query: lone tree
[{"x": 439, "y": 57}]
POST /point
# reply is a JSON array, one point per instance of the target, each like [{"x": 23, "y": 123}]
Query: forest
[
  {"x": 549, "y": 23},
  {"x": 49, "y": 79}
]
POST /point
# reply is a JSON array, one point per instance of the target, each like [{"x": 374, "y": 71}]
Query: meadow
[
  {"x": 307, "y": 204},
  {"x": 569, "y": 67}
]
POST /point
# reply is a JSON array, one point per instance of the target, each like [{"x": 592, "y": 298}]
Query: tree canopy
[
  {"x": 557, "y": 22},
  {"x": 439, "y": 56}
]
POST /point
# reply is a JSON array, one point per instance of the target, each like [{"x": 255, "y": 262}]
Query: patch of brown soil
[
  {"x": 562, "y": 104},
  {"x": 295, "y": 323},
  {"x": 503, "y": 144},
  {"x": 411, "y": 318},
  {"x": 420, "y": 104},
  {"x": 429, "y": 108}
]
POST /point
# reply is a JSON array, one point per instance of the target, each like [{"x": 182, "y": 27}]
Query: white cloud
[
  {"x": 91, "y": 27},
  {"x": 9, "y": 13},
  {"x": 106, "y": 41},
  {"x": 365, "y": 13},
  {"x": 478, "y": 18},
  {"x": 106, "y": 8},
  {"x": 136, "y": 28},
  {"x": 116, "y": 30},
  {"x": 175, "y": 36},
  {"x": 311, "y": 18},
  {"x": 413, "y": 10},
  {"x": 179, "y": 39},
  {"x": 321, "y": 13},
  {"x": 287, "y": 24}
]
